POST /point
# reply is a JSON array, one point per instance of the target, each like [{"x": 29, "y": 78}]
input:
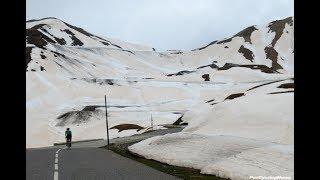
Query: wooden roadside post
[{"x": 105, "y": 102}]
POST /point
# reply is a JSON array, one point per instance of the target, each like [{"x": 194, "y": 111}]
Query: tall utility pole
[
  {"x": 105, "y": 102},
  {"x": 151, "y": 122}
]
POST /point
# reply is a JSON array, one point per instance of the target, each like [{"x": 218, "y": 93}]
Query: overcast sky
[{"x": 163, "y": 24}]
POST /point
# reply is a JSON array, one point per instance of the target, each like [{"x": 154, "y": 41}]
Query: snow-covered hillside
[{"x": 69, "y": 70}]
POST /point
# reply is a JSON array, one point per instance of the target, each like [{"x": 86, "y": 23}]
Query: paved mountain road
[{"x": 85, "y": 161}]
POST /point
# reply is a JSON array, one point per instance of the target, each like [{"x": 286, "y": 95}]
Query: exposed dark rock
[
  {"x": 33, "y": 20},
  {"x": 76, "y": 41},
  {"x": 128, "y": 51},
  {"x": 105, "y": 43},
  {"x": 209, "y": 101},
  {"x": 65, "y": 115},
  {"x": 28, "y": 55},
  {"x": 246, "y": 33},
  {"x": 262, "y": 68},
  {"x": 42, "y": 68},
  {"x": 178, "y": 52},
  {"x": 263, "y": 85},
  {"x": 226, "y": 47},
  {"x": 225, "y": 41},
  {"x": 213, "y": 66},
  {"x": 205, "y": 46},
  {"x": 206, "y": 77},
  {"x": 178, "y": 121},
  {"x": 180, "y": 73},
  {"x": 246, "y": 53},
  {"x": 109, "y": 81},
  {"x": 42, "y": 56},
  {"x": 278, "y": 27},
  {"x": 33, "y": 70},
  {"x": 272, "y": 54},
  {"x": 60, "y": 41},
  {"x": 287, "y": 86},
  {"x": 81, "y": 30},
  {"x": 79, "y": 116},
  {"x": 58, "y": 54},
  {"x": 122, "y": 127},
  {"x": 90, "y": 108},
  {"x": 233, "y": 96},
  {"x": 37, "y": 38},
  {"x": 282, "y": 92}
]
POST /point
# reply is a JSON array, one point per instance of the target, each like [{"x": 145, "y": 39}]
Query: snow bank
[{"x": 248, "y": 136}]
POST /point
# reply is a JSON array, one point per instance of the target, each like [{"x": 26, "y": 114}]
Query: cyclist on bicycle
[{"x": 68, "y": 136}]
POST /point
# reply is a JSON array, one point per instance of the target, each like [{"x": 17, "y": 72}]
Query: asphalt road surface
[{"x": 86, "y": 161}]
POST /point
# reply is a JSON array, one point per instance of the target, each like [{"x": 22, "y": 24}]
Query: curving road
[{"x": 86, "y": 161}]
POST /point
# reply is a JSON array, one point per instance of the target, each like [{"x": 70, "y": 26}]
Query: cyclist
[{"x": 68, "y": 136}]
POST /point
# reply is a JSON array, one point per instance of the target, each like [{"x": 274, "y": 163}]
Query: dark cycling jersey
[{"x": 68, "y": 134}]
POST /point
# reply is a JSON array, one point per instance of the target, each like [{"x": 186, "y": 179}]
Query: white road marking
[
  {"x": 56, "y": 172},
  {"x": 55, "y": 176}
]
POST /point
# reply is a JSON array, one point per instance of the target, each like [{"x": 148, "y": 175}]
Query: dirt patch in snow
[
  {"x": 287, "y": 86},
  {"x": 233, "y": 96},
  {"x": 246, "y": 53},
  {"x": 122, "y": 127}
]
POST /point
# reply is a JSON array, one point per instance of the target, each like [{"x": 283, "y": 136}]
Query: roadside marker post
[{"x": 105, "y": 102}]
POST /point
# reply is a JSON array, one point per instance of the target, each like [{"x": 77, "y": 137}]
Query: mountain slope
[
  {"x": 235, "y": 94},
  {"x": 69, "y": 70}
]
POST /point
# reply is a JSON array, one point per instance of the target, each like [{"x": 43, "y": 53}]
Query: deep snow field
[{"x": 236, "y": 95}]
